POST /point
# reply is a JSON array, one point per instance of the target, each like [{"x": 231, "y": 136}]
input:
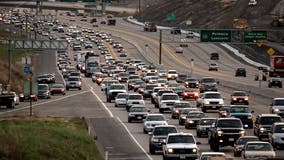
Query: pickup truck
[
  {"x": 113, "y": 90},
  {"x": 225, "y": 132}
]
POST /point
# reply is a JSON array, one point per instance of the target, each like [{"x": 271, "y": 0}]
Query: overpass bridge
[{"x": 67, "y": 6}]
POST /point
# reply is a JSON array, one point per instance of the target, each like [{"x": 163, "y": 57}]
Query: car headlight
[
  {"x": 183, "y": 117},
  {"x": 221, "y": 102},
  {"x": 219, "y": 133},
  {"x": 242, "y": 133},
  {"x": 206, "y": 102},
  {"x": 169, "y": 76},
  {"x": 170, "y": 150},
  {"x": 262, "y": 130},
  {"x": 190, "y": 121},
  {"x": 176, "y": 111},
  {"x": 131, "y": 115},
  {"x": 194, "y": 150},
  {"x": 186, "y": 83},
  {"x": 234, "y": 99},
  {"x": 276, "y": 110},
  {"x": 155, "y": 140}
]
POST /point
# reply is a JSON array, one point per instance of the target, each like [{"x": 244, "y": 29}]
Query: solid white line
[
  {"x": 103, "y": 104},
  {"x": 130, "y": 134},
  {"x": 38, "y": 104}
]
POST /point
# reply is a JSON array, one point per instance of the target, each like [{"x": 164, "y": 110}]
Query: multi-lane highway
[{"x": 125, "y": 140}]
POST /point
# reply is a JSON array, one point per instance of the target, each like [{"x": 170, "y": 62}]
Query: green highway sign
[
  {"x": 171, "y": 17},
  {"x": 215, "y": 36},
  {"x": 254, "y": 36}
]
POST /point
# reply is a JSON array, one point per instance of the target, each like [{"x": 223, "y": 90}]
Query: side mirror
[
  {"x": 198, "y": 143},
  {"x": 149, "y": 110},
  {"x": 150, "y": 133},
  {"x": 252, "y": 111},
  {"x": 218, "y": 82}
]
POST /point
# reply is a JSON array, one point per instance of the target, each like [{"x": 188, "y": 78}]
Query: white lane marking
[
  {"x": 99, "y": 99},
  {"x": 38, "y": 104},
  {"x": 130, "y": 134}
]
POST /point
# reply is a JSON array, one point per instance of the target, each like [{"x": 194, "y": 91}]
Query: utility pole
[
  {"x": 160, "y": 49},
  {"x": 139, "y": 6},
  {"x": 27, "y": 25},
  {"x": 10, "y": 59},
  {"x": 103, "y": 7}
]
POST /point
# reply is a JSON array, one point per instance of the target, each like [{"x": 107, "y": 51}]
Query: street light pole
[{"x": 160, "y": 48}]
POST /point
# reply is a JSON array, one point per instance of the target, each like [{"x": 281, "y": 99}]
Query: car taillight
[{"x": 185, "y": 94}]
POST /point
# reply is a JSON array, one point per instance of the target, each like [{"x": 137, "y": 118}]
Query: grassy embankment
[{"x": 46, "y": 138}]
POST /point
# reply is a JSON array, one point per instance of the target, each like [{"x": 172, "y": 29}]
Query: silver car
[
  {"x": 121, "y": 100},
  {"x": 276, "y": 135},
  {"x": 258, "y": 150},
  {"x": 73, "y": 82},
  {"x": 153, "y": 120}
]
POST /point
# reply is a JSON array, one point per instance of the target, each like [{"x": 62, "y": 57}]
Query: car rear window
[{"x": 164, "y": 130}]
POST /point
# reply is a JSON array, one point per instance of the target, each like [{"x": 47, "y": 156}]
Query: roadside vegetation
[{"x": 46, "y": 138}]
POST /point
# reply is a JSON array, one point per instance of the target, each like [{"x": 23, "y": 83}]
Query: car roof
[
  {"x": 180, "y": 133},
  {"x": 269, "y": 115},
  {"x": 165, "y": 126},
  {"x": 253, "y": 142},
  {"x": 211, "y": 92},
  {"x": 278, "y": 123},
  {"x": 278, "y": 98},
  {"x": 248, "y": 137},
  {"x": 155, "y": 114},
  {"x": 213, "y": 153}
]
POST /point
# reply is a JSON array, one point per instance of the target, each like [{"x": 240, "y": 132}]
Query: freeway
[{"x": 125, "y": 140}]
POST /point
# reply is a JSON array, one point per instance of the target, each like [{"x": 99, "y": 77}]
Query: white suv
[
  {"x": 167, "y": 101},
  {"x": 172, "y": 74},
  {"x": 133, "y": 99},
  {"x": 210, "y": 100}
]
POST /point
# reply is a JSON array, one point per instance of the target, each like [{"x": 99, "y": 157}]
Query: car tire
[
  {"x": 145, "y": 131},
  {"x": 198, "y": 134},
  {"x": 186, "y": 126},
  {"x": 129, "y": 120},
  {"x": 161, "y": 110},
  {"x": 152, "y": 150},
  {"x": 80, "y": 88},
  {"x": 216, "y": 147},
  {"x": 203, "y": 110},
  {"x": 67, "y": 88}
]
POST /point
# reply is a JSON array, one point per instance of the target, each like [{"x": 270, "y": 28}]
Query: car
[
  {"x": 154, "y": 93},
  {"x": 190, "y": 93},
  {"x": 214, "y": 56},
  {"x": 84, "y": 18},
  {"x": 167, "y": 101},
  {"x": 162, "y": 73},
  {"x": 239, "y": 144},
  {"x": 240, "y": 72},
  {"x": 107, "y": 83},
  {"x": 242, "y": 112},
  {"x": 179, "y": 49},
  {"x": 263, "y": 123},
  {"x": 43, "y": 91},
  {"x": 148, "y": 90},
  {"x": 208, "y": 84},
  {"x": 274, "y": 82},
  {"x": 150, "y": 27},
  {"x": 209, "y": 155},
  {"x": 73, "y": 82},
  {"x": 46, "y": 78},
  {"x": 213, "y": 67},
  {"x": 252, "y": 3},
  {"x": 193, "y": 118},
  {"x": 158, "y": 137},
  {"x": 203, "y": 126},
  {"x": 57, "y": 88},
  {"x": 191, "y": 83},
  {"x": 277, "y": 106},
  {"x": 181, "y": 78},
  {"x": 239, "y": 97},
  {"x": 190, "y": 34},
  {"x": 159, "y": 94},
  {"x": 153, "y": 120},
  {"x": 177, "y": 107},
  {"x": 224, "y": 110},
  {"x": 175, "y": 30},
  {"x": 258, "y": 150},
  {"x": 210, "y": 100},
  {"x": 172, "y": 74},
  {"x": 183, "y": 113},
  {"x": 137, "y": 113},
  {"x": 180, "y": 146},
  {"x": 121, "y": 100},
  {"x": 276, "y": 135},
  {"x": 113, "y": 90},
  {"x": 134, "y": 99},
  {"x": 103, "y": 22},
  {"x": 16, "y": 98}
]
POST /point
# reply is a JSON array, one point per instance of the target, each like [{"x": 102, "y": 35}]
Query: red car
[
  {"x": 57, "y": 89},
  {"x": 190, "y": 94},
  {"x": 239, "y": 97}
]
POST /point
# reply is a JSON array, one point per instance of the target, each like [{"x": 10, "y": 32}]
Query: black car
[
  {"x": 203, "y": 126},
  {"x": 175, "y": 31},
  {"x": 46, "y": 78},
  {"x": 191, "y": 83},
  {"x": 274, "y": 82},
  {"x": 240, "y": 72},
  {"x": 214, "y": 56}
]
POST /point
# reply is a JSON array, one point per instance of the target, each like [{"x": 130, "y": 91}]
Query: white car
[
  {"x": 167, "y": 101},
  {"x": 258, "y": 150},
  {"x": 154, "y": 93},
  {"x": 276, "y": 135},
  {"x": 172, "y": 74},
  {"x": 134, "y": 99},
  {"x": 277, "y": 106},
  {"x": 252, "y": 3},
  {"x": 121, "y": 100},
  {"x": 210, "y": 100},
  {"x": 180, "y": 146},
  {"x": 208, "y": 155},
  {"x": 213, "y": 66},
  {"x": 153, "y": 120},
  {"x": 162, "y": 73}
]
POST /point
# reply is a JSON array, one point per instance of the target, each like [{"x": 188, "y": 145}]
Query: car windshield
[
  {"x": 239, "y": 110},
  {"x": 243, "y": 141},
  {"x": 239, "y": 94},
  {"x": 164, "y": 130},
  {"x": 208, "y": 80},
  {"x": 173, "y": 85},
  {"x": 170, "y": 97},
  {"x": 162, "y": 92},
  {"x": 279, "y": 129},
  {"x": 181, "y": 139},
  {"x": 161, "y": 81},
  {"x": 136, "y": 96},
  {"x": 229, "y": 123},
  {"x": 117, "y": 87},
  {"x": 206, "y": 121},
  {"x": 155, "y": 118},
  {"x": 74, "y": 79},
  {"x": 122, "y": 96},
  {"x": 269, "y": 120},
  {"x": 182, "y": 105},
  {"x": 42, "y": 87},
  {"x": 212, "y": 96},
  {"x": 92, "y": 64},
  {"x": 150, "y": 87},
  {"x": 58, "y": 86},
  {"x": 185, "y": 111},
  {"x": 138, "y": 109},
  {"x": 74, "y": 74},
  {"x": 196, "y": 115},
  {"x": 207, "y": 157},
  {"x": 172, "y": 72},
  {"x": 258, "y": 147},
  {"x": 279, "y": 102}
]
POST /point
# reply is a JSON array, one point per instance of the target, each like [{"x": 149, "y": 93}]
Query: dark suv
[
  {"x": 274, "y": 82},
  {"x": 263, "y": 123},
  {"x": 225, "y": 132},
  {"x": 158, "y": 137},
  {"x": 214, "y": 56},
  {"x": 240, "y": 72}
]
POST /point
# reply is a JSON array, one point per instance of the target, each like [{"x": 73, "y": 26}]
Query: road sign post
[{"x": 215, "y": 36}]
